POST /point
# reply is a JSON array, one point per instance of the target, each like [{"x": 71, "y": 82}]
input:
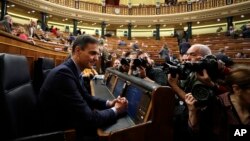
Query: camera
[
  {"x": 140, "y": 62},
  {"x": 202, "y": 93},
  {"x": 136, "y": 62},
  {"x": 209, "y": 63},
  {"x": 125, "y": 61}
]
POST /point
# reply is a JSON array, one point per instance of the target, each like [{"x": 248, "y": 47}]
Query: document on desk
[{"x": 101, "y": 77}]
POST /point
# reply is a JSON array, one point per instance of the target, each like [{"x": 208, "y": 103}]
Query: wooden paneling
[{"x": 13, "y": 45}]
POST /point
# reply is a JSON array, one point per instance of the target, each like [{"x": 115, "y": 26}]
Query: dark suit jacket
[
  {"x": 183, "y": 47},
  {"x": 65, "y": 103}
]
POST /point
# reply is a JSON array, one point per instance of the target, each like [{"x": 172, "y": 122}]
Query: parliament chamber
[{"x": 140, "y": 63}]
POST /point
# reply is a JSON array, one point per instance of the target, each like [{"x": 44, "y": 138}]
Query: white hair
[{"x": 203, "y": 49}]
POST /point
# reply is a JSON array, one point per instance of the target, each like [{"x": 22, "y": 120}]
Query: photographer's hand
[
  {"x": 190, "y": 100},
  {"x": 142, "y": 72},
  {"x": 173, "y": 82},
  {"x": 130, "y": 67},
  {"x": 205, "y": 79},
  {"x": 221, "y": 65},
  {"x": 192, "y": 111}
]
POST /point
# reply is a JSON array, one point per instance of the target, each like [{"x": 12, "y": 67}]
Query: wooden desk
[{"x": 154, "y": 106}]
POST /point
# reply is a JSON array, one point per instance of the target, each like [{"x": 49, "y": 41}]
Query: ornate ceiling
[
  {"x": 214, "y": 13},
  {"x": 133, "y": 2}
]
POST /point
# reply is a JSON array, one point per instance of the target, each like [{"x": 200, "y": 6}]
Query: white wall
[
  {"x": 197, "y": 30},
  {"x": 145, "y": 32},
  {"x": 21, "y": 19},
  {"x": 166, "y": 31},
  {"x": 238, "y": 24}
]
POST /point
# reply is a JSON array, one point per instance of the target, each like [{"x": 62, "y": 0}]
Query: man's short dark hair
[{"x": 83, "y": 40}]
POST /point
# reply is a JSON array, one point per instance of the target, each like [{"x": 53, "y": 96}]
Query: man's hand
[
  {"x": 173, "y": 81},
  {"x": 142, "y": 72},
  {"x": 190, "y": 100},
  {"x": 121, "y": 105},
  {"x": 221, "y": 65},
  {"x": 205, "y": 79},
  {"x": 111, "y": 103},
  {"x": 192, "y": 111}
]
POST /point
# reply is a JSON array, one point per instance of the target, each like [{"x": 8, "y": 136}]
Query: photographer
[
  {"x": 125, "y": 61},
  {"x": 188, "y": 79},
  {"x": 212, "y": 122},
  {"x": 140, "y": 65},
  {"x": 195, "y": 53},
  {"x": 148, "y": 72}
]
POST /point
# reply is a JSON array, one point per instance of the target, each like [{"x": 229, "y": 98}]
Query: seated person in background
[
  {"x": 122, "y": 43},
  {"x": 164, "y": 51},
  {"x": 79, "y": 32},
  {"x": 212, "y": 123},
  {"x": 246, "y": 33},
  {"x": 71, "y": 38},
  {"x": 64, "y": 101},
  {"x": 240, "y": 55},
  {"x": 105, "y": 56},
  {"x": 6, "y": 24},
  {"x": 219, "y": 29},
  {"x": 171, "y": 57},
  {"x": 51, "y": 28},
  {"x": 221, "y": 55},
  {"x": 117, "y": 63},
  {"x": 21, "y": 33},
  {"x": 135, "y": 46},
  {"x": 32, "y": 30},
  {"x": 54, "y": 31},
  {"x": 125, "y": 54},
  {"x": 232, "y": 32},
  {"x": 45, "y": 36}
]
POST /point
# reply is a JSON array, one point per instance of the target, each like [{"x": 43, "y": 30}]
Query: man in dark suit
[
  {"x": 79, "y": 32},
  {"x": 64, "y": 100},
  {"x": 184, "y": 46}
]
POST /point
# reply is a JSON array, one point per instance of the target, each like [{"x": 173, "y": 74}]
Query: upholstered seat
[
  {"x": 18, "y": 103},
  {"x": 41, "y": 70}
]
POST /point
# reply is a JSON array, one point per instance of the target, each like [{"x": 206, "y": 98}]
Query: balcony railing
[{"x": 145, "y": 10}]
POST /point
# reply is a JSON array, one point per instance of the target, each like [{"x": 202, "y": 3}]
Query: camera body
[
  {"x": 136, "y": 62},
  {"x": 209, "y": 63}
]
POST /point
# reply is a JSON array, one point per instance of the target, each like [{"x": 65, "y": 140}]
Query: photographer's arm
[
  {"x": 193, "y": 120},
  {"x": 173, "y": 83},
  {"x": 143, "y": 75},
  {"x": 130, "y": 68}
]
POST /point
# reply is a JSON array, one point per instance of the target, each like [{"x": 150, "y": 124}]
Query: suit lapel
[{"x": 71, "y": 65}]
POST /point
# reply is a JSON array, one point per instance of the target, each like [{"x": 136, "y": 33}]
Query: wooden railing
[
  {"x": 144, "y": 10},
  {"x": 13, "y": 45}
]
